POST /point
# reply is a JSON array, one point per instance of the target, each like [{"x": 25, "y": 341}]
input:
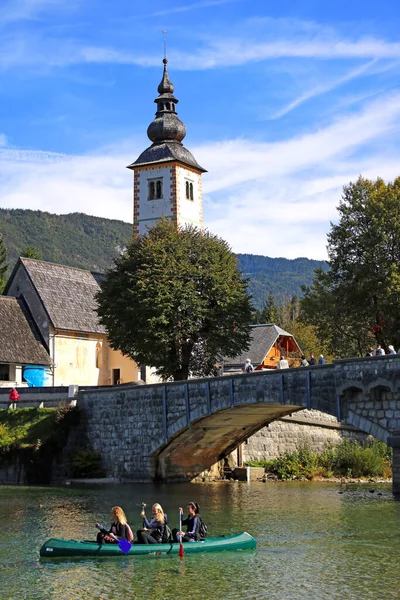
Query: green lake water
[{"x": 314, "y": 541}]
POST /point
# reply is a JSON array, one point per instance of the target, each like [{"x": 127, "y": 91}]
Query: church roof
[
  {"x": 263, "y": 337},
  {"x": 167, "y": 152},
  {"x": 20, "y": 342},
  {"x": 166, "y": 131},
  {"x": 67, "y": 294}
]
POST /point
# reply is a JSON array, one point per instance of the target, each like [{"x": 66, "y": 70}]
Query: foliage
[
  {"x": 76, "y": 239},
  {"x": 348, "y": 458},
  {"x": 356, "y": 303},
  {"x": 176, "y": 300},
  {"x": 86, "y": 463},
  {"x": 92, "y": 243},
  {"x": 31, "y": 252},
  {"x": 3, "y": 264},
  {"x": 282, "y": 277},
  {"x": 33, "y": 437}
]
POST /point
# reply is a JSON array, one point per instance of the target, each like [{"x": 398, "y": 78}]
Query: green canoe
[{"x": 56, "y": 548}]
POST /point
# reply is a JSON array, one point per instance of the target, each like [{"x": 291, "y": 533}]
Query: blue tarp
[{"x": 35, "y": 376}]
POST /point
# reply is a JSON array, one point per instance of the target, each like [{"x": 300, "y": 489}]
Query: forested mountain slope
[{"x": 87, "y": 242}]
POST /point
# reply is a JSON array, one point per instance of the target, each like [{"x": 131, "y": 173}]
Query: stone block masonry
[{"x": 176, "y": 430}]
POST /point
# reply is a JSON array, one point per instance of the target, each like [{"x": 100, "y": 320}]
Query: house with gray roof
[
  {"x": 21, "y": 344},
  {"x": 268, "y": 343},
  {"x": 62, "y": 303}
]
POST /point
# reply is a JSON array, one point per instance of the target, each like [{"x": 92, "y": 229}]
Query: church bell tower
[{"x": 167, "y": 177}]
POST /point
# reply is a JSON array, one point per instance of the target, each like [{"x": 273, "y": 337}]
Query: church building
[{"x": 167, "y": 177}]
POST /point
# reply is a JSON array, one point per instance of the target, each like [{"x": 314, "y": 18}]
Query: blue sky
[{"x": 284, "y": 103}]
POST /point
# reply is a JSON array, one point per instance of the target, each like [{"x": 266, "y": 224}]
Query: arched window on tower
[
  {"x": 168, "y": 106},
  {"x": 159, "y": 189},
  {"x": 191, "y": 191},
  {"x": 173, "y": 107},
  {"x": 187, "y": 191},
  {"x": 152, "y": 190}
]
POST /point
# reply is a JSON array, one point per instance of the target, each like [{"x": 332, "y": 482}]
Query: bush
[
  {"x": 86, "y": 463},
  {"x": 348, "y": 458}
]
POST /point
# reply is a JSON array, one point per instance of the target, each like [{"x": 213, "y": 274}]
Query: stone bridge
[{"x": 174, "y": 431}]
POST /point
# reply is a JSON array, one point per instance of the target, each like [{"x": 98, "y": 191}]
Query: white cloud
[
  {"x": 3, "y": 140},
  {"x": 255, "y": 40},
  {"x": 275, "y": 199}
]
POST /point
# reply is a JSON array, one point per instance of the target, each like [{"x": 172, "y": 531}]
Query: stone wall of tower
[{"x": 174, "y": 203}]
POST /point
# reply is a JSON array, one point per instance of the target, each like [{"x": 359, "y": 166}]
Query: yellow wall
[
  {"x": 129, "y": 371},
  {"x": 86, "y": 359}
]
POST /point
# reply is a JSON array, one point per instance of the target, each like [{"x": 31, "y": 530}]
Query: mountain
[{"x": 87, "y": 242}]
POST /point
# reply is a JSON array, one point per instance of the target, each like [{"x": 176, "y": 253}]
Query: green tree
[
  {"x": 269, "y": 312},
  {"x": 31, "y": 252},
  {"x": 176, "y": 300},
  {"x": 3, "y": 264},
  {"x": 357, "y": 302}
]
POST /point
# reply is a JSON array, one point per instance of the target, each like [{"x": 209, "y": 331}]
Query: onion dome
[
  {"x": 166, "y": 131},
  {"x": 166, "y": 126}
]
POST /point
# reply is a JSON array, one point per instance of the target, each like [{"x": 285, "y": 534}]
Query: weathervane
[{"x": 165, "y": 43}]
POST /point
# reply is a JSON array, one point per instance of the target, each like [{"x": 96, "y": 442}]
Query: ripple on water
[{"x": 313, "y": 543}]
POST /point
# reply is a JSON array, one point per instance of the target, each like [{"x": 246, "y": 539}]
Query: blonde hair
[
  {"x": 119, "y": 515},
  {"x": 159, "y": 513}
]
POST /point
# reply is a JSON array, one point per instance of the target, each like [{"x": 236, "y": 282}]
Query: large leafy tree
[
  {"x": 357, "y": 302},
  {"x": 176, "y": 300},
  {"x": 3, "y": 264}
]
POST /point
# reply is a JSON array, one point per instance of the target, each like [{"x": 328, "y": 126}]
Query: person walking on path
[
  {"x": 312, "y": 361},
  {"x": 321, "y": 360},
  {"x": 391, "y": 350},
  {"x": 379, "y": 351}
]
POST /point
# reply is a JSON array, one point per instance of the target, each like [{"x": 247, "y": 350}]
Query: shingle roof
[
  {"x": 67, "y": 293},
  {"x": 167, "y": 152},
  {"x": 19, "y": 341},
  {"x": 263, "y": 337}
]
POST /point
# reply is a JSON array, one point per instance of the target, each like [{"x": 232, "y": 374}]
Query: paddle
[
  {"x": 181, "y": 551},
  {"x": 123, "y": 545}
]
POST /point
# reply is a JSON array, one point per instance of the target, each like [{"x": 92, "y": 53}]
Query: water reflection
[{"x": 314, "y": 541}]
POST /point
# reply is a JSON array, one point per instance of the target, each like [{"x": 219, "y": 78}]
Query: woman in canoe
[
  {"x": 192, "y": 522},
  {"x": 153, "y": 531},
  {"x": 118, "y": 528}
]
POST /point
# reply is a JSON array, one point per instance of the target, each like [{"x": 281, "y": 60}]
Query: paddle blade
[
  {"x": 181, "y": 551},
  {"x": 124, "y": 546}
]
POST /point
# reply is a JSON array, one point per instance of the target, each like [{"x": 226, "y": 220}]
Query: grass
[{"x": 348, "y": 458}]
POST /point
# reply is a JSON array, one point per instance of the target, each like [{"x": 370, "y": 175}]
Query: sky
[{"x": 284, "y": 104}]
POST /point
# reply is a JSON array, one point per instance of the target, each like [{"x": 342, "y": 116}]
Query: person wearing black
[
  {"x": 192, "y": 523},
  {"x": 118, "y": 528},
  {"x": 153, "y": 531}
]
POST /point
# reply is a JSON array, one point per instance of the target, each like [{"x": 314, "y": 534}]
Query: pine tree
[
  {"x": 269, "y": 312},
  {"x": 3, "y": 264}
]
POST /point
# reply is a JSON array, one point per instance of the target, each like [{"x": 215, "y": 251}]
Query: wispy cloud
[
  {"x": 324, "y": 88},
  {"x": 282, "y": 194},
  {"x": 23, "y": 10},
  {"x": 3, "y": 140},
  {"x": 189, "y": 7},
  {"x": 267, "y": 40}
]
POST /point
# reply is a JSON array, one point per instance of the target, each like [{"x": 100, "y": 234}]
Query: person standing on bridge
[
  {"x": 248, "y": 367},
  {"x": 391, "y": 350},
  {"x": 321, "y": 360},
  {"x": 283, "y": 363}
]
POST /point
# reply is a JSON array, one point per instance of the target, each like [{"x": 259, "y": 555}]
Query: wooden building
[{"x": 268, "y": 343}]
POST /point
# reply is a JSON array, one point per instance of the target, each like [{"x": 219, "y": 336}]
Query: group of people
[
  {"x": 284, "y": 364},
  {"x": 154, "y": 531},
  {"x": 379, "y": 351}
]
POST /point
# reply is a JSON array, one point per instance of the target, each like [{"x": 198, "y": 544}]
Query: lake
[{"x": 314, "y": 541}]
